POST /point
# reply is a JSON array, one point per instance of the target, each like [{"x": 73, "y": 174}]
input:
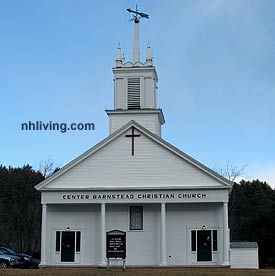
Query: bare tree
[
  {"x": 231, "y": 172},
  {"x": 47, "y": 167}
]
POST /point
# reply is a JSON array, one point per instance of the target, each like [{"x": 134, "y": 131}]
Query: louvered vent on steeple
[{"x": 133, "y": 93}]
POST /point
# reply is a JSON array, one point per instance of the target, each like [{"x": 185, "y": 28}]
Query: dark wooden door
[
  {"x": 204, "y": 248},
  {"x": 68, "y": 247}
]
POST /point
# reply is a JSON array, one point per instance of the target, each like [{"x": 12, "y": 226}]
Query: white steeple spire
[{"x": 136, "y": 42}]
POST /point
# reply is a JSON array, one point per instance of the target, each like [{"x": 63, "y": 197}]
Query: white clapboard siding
[
  {"x": 153, "y": 165},
  {"x": 244, "y": 258}
]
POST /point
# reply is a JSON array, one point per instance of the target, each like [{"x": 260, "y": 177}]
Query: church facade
[{"x": 170, "y": 209}]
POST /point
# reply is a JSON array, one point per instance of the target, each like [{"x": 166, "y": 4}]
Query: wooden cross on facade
[{"x": 133, "y": 135}]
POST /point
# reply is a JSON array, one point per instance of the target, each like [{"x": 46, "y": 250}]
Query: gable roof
[{"x": 225, "y": 183}]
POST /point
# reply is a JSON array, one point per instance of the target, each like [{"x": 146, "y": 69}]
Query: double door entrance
[{"x": 68, "y": 244}]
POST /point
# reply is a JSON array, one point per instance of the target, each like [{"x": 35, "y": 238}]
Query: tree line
[
  {"x": 20, "y": 208},
  {"x": 252, "y": 217},
  {"x": 251, "y": 212}
]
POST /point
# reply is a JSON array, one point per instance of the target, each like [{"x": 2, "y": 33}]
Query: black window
[
  {"x": 194, "y": 240},
  {"x": 57, "y": 241},
  {"x": 215, "y": 240},
  {"x": 78, "y": 238},
  {"x": 136, "y": 218}
]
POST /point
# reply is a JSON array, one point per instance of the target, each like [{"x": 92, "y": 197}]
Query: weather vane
[{"x": 138, "y": 15}]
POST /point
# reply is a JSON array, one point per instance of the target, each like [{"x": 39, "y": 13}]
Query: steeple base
[{"x": 151, "y": 119}]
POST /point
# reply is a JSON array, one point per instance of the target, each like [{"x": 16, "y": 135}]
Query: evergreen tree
[
  {"x": 20, "y": 208},
  {"x": 252, "y": 217}
]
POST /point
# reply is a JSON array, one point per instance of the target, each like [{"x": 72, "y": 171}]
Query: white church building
[{"x": 170, "y": 209}]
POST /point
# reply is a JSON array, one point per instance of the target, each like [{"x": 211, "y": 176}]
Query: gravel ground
[{"x": 137, "y": 272}]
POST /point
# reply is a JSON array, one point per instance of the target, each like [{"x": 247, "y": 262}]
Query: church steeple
[{"x": 135, "y": 85}]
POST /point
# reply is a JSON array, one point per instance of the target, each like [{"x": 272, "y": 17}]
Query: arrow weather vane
[{"x": 138, "y": 15}]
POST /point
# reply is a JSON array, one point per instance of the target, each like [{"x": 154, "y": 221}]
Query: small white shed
[{"x": 244, "y": 255}]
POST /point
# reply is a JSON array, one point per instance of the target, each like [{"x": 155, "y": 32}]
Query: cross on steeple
[{"x": 133, "y": 135}]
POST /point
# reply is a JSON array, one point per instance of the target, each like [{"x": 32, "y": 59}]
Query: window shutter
[
  {"x": 57, "y": 241},
  {"x": 134, "y": 93},
  {"x": 194, "y": 240},
  {"x": 78, "y": 238}
]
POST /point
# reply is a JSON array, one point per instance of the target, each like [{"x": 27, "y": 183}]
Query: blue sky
[{"x": 214, "y": 58}]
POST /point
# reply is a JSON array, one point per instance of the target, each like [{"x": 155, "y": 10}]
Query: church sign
[
  {"x": 142, "y": 196},
  {"x": 99, "y": 196},
  {"x": 116, "y": 244}
]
